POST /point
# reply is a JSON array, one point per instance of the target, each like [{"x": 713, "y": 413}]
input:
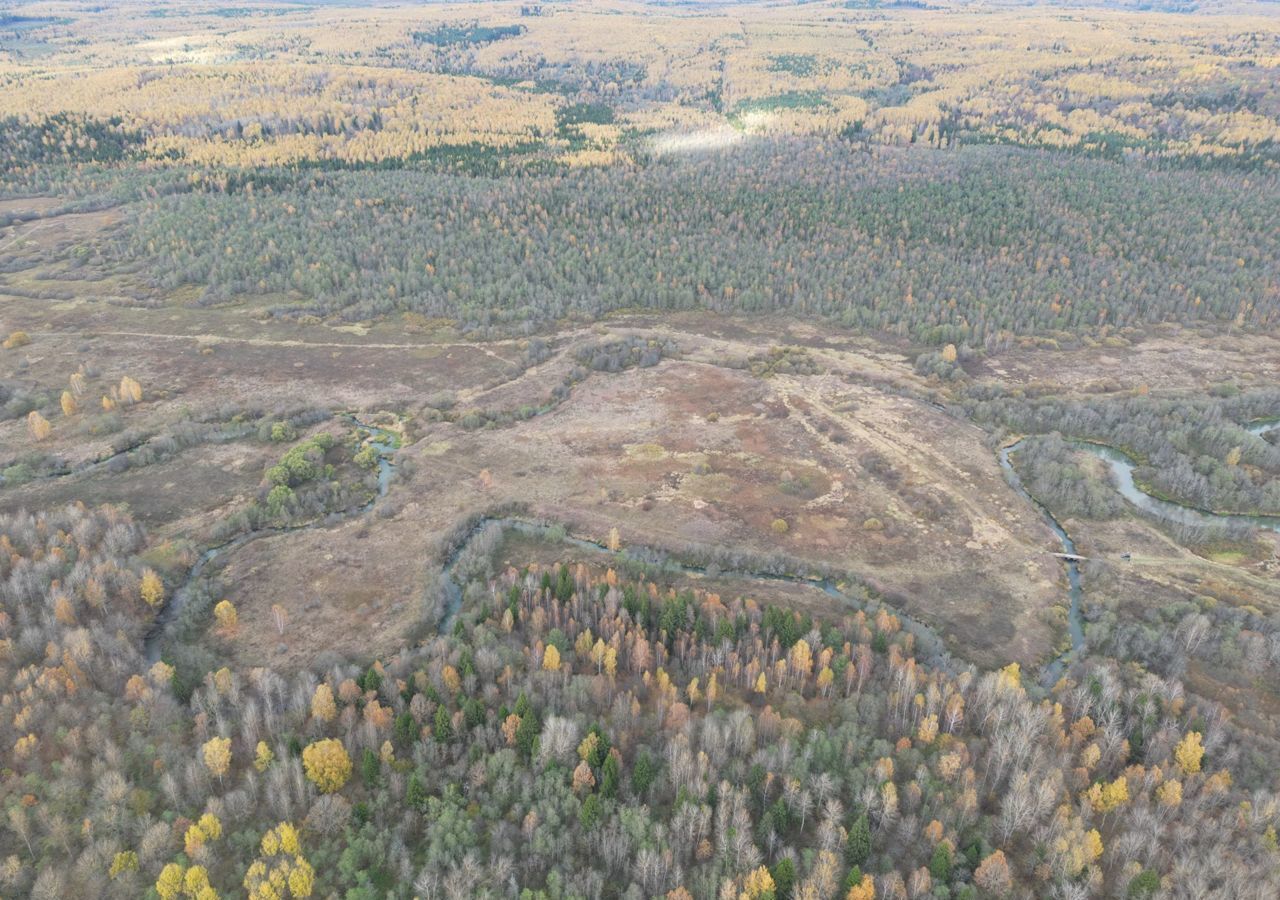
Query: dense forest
[
  {"x": 577, "y": 733},
  {"x": 1173, "y": 635},
  {"x": 969, "y": 246}
]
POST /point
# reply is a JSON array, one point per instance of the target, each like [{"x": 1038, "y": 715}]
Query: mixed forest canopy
[
  {"x": 595, "y": 735},
  {"x": 640, "y": 450},
  {"x": 968, "y": 246},
  {"x": 1195, "y": 450}
]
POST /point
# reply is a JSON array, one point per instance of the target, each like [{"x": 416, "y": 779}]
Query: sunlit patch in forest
[{"x": 697, "y": 142}]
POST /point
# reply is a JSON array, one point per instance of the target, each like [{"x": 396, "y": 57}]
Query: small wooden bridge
[{"x": 1074, "y": 557}]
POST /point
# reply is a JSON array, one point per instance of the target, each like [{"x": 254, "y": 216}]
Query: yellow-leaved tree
[
  {"x": 217, "y": 756},
  {"x": 152, "y": 589},
  {"x": 327, "y": 764},
  {"x": 322, "y": 704},
  {"x": 130, "y": 390},
  {"x": 38, "y": 425},
  {"x": 800, "y": 658},
  {"x": 280, "y": 871},
  {"x": 1170, "y": 793},
  {"x": 1010, "y": 678},
  {"x": 863, "y": 890},
  {"x": 200, "y": 833},
  {"x": 226, "y": 616},
  {"x": 1106, "y": 797},
  {"x": 169, "y": 883},
  {"x": 262, "y": 757},
  {"x": 122, "y": 863},
  {"x": 1189, "y": 753},
  {"x": 551, "y": 658},
  {"x": 176, "y": 880},
  {"x": 759, "y": 884}
]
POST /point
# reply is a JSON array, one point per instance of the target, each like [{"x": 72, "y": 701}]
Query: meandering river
[
  {"x": 1121, "y": 466},
  {"x": 384, "y": 443}
]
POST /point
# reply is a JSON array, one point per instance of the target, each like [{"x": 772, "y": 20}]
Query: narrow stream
[
  {"x": 382, "y": 440},
  {"x": 89, "y": 467},
  {"x": 385, "y": 443},
  {"x": 1121, "y": 467},
  {"x": 86, "y": 468},
  {"x": 1053, "y": 670}
]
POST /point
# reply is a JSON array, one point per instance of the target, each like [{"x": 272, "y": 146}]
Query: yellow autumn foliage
[{"x": 327, "y": 764}]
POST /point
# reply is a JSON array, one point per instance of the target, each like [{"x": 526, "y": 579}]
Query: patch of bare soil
[{"x": 353, "y": 590}]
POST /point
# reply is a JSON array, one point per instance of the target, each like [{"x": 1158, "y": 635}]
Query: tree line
[{"x": 968, "y": 247}]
